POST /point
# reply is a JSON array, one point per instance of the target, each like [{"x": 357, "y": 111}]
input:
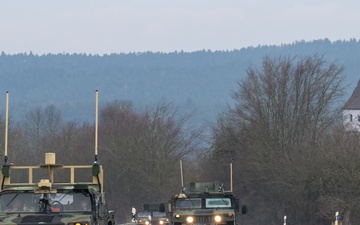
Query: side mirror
[
  {"x": 243, "y": 209},
  {"x": 169, "y": 207},
  {"x": 237, "y": 205},
  {"x": 162, "y": 207},
  {"x": 103, "y": 211}
]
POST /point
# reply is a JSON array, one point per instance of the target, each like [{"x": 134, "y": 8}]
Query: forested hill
[{"x": 200, "y": 81}]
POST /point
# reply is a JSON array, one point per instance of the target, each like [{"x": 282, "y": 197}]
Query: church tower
[{"x": 351, "y": 111}]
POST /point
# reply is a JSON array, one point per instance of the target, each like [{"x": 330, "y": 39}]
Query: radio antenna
[
  {"x": 96, "y": 123},
  {"x": 231, "y": 178},
  {"x": 6, "y": 125},
  {"x": 181, "y": 174}
]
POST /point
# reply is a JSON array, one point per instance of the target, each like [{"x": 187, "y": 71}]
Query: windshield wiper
[
  {"x": 66, "y": 193},
  {"x": 226, "y": 203},
  {"x": 12, "y": 199}
]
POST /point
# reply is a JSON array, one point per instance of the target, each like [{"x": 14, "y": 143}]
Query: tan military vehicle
[{"x": 51, "y": 194}]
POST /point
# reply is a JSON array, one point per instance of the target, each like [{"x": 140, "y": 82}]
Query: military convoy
[
  {"x": 56, "y": 194},
  {"x": 51, "y": 193},
  {"x": 199, "y": 203},
  {"x": 204, "y": 203}
]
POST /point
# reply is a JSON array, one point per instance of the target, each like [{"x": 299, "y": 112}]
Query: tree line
[
  {"x": 284, "y": 137},
  {"x": 198, "y": 80}
]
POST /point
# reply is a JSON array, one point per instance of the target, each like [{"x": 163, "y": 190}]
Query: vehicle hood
[{"x": 43, "y": 218}]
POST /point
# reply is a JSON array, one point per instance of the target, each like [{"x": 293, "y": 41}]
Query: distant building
[{"x": 351, "y": 111}]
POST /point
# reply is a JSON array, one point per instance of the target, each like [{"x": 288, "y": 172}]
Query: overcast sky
[{"x": 114, "y": 26}]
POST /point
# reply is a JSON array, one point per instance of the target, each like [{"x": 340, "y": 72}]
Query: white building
[{"x": 351, "y": 111}]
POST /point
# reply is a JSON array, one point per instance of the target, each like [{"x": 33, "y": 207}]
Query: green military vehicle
[
  {"x": 205, "y": 203},
  {"x": 158, "y": 216},
  {"x": 142, "y": 218},
  {"x": 153, "y": 214},
  {"x": 51, "y": 194}
]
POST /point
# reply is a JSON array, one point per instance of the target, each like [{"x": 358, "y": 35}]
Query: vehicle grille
[
  {"x": 37, "y": 219},
  {"x": 203, "y": 219},
  {"x": 204, "y": 211},
  {"x": 40, "y": 219}
]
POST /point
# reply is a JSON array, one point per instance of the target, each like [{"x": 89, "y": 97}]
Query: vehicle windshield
[
  {"x": 217, "y": 203},
  {"x": 188, "y": 203},
  {"x": 62, "y": 201},
  {"x": 159, "y": 214},
  {"x": 144, "y": 214}
]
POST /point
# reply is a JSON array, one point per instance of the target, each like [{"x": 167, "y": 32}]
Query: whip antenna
[
  {"x": 231, "y": 178},
  {"x": 6, "y": 125},
  {"x": 181, "y": 174},
  {"x": 96, "y": 123},
  {"x": 96, "y": 170}
]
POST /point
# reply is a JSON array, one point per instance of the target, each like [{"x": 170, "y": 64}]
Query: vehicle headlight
[
  {"x": 140, "y": 221},
  {"x": 161, "y": 222},
  {"x": 217, "y": 219},
  {"x": 79, "y": 223},
  {"x": 230, "y": 215},
  {"x": 147, "y": 222},
  {"x": 190, "y": 219},
  {"x": 177, "y": 216}
]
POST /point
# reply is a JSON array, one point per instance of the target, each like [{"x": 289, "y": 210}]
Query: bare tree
[
  {"x": 338, "y": 176},
  {"x": 40, "y": 128},
  {"x": 144, "y": 149},
  {"x": 274, "y": 133},
  {"x": 75, "y": 143},
  {"x": 16, "y": 145}
]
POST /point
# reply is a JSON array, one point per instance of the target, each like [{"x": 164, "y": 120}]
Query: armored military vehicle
[
  {"x": 153, "y": 214},
  {"x": 51, "y": 194},
  {"x": 204, "y": 203},
  {"x": 158, "y": 214},
  {"x": 143, "y": 218}
]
